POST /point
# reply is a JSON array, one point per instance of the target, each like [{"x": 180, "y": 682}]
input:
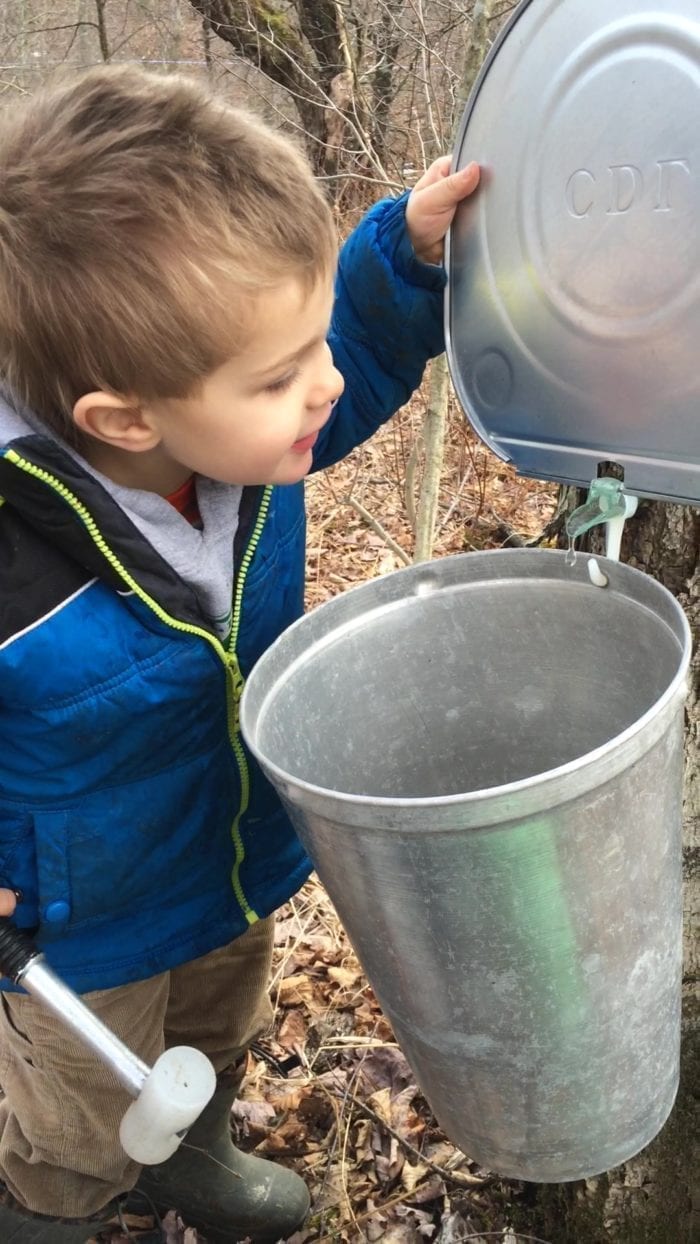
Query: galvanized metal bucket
[{"x": 483, "y": 757}]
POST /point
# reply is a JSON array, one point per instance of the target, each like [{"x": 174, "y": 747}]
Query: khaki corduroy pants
[{"x": 59, "y": 1118}]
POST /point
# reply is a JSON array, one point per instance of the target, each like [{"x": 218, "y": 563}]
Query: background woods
[
  {"x": 369, "y": 84},
  {"x": 373, "y": 89}
]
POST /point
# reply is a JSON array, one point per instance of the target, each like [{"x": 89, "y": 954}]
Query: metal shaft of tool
[{"x": 39, "y": 980}]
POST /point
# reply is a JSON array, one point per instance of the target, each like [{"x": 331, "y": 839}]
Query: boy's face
[{"x": 257, "y": 417}]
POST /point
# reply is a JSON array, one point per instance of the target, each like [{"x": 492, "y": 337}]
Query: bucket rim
[{"x": 614, "y": 751}]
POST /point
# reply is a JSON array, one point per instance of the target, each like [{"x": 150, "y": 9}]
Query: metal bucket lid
[{"x": 573, "y": 312}]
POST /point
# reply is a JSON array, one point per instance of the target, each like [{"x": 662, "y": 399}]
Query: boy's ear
[{"x": 118, "y": 421}]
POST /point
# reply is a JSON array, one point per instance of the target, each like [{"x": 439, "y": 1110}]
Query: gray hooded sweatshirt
[{"x": 204, "y": 559}]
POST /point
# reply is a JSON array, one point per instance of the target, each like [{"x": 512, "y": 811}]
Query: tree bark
[
  {"x": 433, "y": 437},
  {"x": 266, "y": 36},
  {"x": 105, "y": 52},
  {"x": 649, "y": 1200}
]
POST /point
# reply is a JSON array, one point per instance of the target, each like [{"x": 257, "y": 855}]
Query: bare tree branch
[
  {"x": 265, "y": 36},
  {"x": 100, "y": 6}
]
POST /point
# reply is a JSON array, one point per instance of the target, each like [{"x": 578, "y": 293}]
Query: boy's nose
[
  {"x": 337, "y": 385},
  {"x": 329, "y": 386}
]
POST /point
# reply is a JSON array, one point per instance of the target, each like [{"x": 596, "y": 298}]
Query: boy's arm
[
  {"x": 388, "y": 314},
  {"x": 387, "y": 323}
]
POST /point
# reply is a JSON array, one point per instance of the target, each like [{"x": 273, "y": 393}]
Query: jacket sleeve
[{"x": 387, "y": 322}]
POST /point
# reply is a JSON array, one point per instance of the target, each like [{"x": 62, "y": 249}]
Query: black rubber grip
[{"x": 16, "y": 950}]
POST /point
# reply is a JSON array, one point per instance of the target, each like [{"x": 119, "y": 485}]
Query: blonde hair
[{"x": 140, "y": 217}]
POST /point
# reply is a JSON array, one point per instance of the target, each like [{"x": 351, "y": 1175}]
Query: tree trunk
[
  {"x": 434, "y": 427},
  {"x": 433, "y": 437},
  {"x": 297, "y": 47},
  {"x": 649, "y": 1200}
]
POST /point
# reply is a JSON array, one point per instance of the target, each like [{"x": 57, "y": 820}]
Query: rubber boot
[
  {"x": 226, "y": 1194},
  {"x": 21, "y": 1226}
]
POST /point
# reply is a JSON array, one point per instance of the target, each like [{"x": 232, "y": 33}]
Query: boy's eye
[{"x": 284, "y": 382}]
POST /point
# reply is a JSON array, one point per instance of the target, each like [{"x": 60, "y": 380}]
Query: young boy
[{"x": 173, "y": 365}]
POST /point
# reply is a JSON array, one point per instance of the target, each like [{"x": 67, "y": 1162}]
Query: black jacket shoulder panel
[
  {"x": 35, "y": 577},
  {"x": 51, "y": 515}
]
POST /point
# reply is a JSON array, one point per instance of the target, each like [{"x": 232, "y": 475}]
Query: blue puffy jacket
[{"x": 139, "y": 830}]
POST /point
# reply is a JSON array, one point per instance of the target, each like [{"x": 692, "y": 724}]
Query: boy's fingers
[
  {"x": 432, "y": 204},
  {"x": 8, "y": 902},
  {"x": 449, "y": 190},
  {"x": 438, "y": 169}
]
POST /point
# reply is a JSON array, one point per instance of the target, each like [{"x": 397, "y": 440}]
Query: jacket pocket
[
  {"x": 18, "y": 870},
  {"x": 143, "y": 845}
]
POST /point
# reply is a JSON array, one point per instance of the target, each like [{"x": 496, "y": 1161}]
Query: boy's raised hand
[{"x": 432, "y": 204}]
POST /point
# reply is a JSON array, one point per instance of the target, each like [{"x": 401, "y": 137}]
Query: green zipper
[
  {"x": 226, "y": 654},
  {"x": 234, "y": 701}
]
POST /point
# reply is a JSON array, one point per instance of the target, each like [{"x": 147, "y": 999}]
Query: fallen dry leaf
[
  {"x": 296, "y": 991},
  {"x": 346, "y": 977},
  {"x": 255, "y": 1114},
  {"x": 293, "y": 1031}
]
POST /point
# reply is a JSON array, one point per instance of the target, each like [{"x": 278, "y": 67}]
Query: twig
[
  {"x": 395, "y": 186},
  {"x": 13, "y": 86},
  {"x": 358, "y": 1043},
  {"x": 378, "y": 530},
  {"x": 455, "y": 502},
  {"x": 501, "y": 1235},
  {"x": 344, "y": 1166},
  {"x": 557, "y": 522},
  {"x": 462, "y": 1181},
  {"x": 410, "y": 483},
  {"x": 376, "y": 1209}
]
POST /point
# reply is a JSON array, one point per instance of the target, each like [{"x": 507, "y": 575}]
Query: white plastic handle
[
  {"x": 174, "y": 1094},
  {"x": 614, "y": 526}
]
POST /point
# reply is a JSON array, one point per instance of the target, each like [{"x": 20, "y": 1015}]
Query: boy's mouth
[{"x": 306, "y": 443}]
